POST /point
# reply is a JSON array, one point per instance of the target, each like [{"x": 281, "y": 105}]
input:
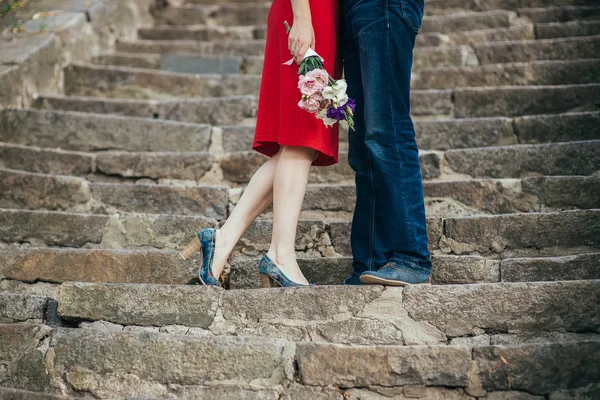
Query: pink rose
[
  {"x": 321, "y": 76},
  {"x": 308, "y": 85},
  {"x": 312, "y": 104}
]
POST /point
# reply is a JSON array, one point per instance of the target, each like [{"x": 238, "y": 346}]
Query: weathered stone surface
[
  {"x": 31, "y": 191},
  {"x": 17, "y": 394},
  {"x": 513, "y": 395},
  {"x": 464, "y": 269},
  {"x": 237, "y": 138},
  {"x": 146, "y": 84},
  {"x": 51, "y": 228},
  {"x": 560, "y": 14},
  {"x": 340, "y": 235},
  {"x": 519, "y": 32},
  {"x": 408, "y": 392},
  {"x": 457, "y": 310},
  {"x": 431, "y": 102},
  {"x": 153, "y": 230},
  {"x": 224, "y": 14},
  {"x": 201, "y": 33},
  {"x": 43, "y": 289},
  {"x": 201, "y": 64},
  {"x": 577, "y": 267},
  {"x": 567, "y": 29},
  {"x": 299, "y": 392},
  {"x": 180, "y": 165},
  {"x": 588, "y": 392},
  {"x": 130, "y": 107},
  {"x": 17, "y": 307},
  {"x": 149, "y": 61},
  {"x": 214, "y": 111},
  {"x": 35, "y": 159},
  {"x": 539, "y": 369},
  {"x": 521, "y": 233},
  {"x": 22, "y": 356},
  {"x": 85, "y": 132},
  {"x": 236, "y": 47},
  {"x": 557, "y": 128},
  {"x": 122, "y": 266},
  {"x": 315, "y": 304},
  {"x": 549, "y": 49},
  {"x": 310, "y": 235},
  {"x": 166, "y": 358},
  {"x": 466, "y": 133},
  {"x": 154, "y": 305},
  {"x": 225, "y": 392},
  {"x": 11, "y": 86},
  {"x": 347, "y": 367},
  {"x": 575, "y": 158},
  {"x": 557, "y": 192},
  {"x": 524, "y": 100},
  {"x": 448, "y": 56},
  {"x": 209, "y": 201},
  {"x": 513, "y": 74},
  {"x": 467, "y": 21}
]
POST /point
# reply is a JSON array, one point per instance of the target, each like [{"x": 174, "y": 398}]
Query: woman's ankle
[{"x": 282, "y": 259}]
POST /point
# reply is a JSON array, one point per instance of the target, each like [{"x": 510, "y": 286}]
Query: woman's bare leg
[
  {"x": 255, "y": 199},
  {"x": 289, "y": 188}
]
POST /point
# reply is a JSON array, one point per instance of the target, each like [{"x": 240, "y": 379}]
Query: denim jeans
[{"x": 389, "y": 221}]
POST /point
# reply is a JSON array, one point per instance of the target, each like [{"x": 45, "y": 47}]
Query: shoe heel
[
  {"x": 191, "y": 248},
  {"x": 266, "y": 281}
]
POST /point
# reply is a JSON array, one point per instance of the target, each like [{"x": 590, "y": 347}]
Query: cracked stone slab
[
  {"x": 16, "y": 307},
  {"x": 539, "y": 369},
  {"x": 575, "y": 267},
  {"x": 165, "y": 358},
  {"x": 347, "y": 367},
  {"x": 40, "y": 160},
  {"x": 139, "y": 304},
  {"x": 74, "y": 265},
  {"x": 94, "y": 132},
  {"x": 507, "y": 307}
]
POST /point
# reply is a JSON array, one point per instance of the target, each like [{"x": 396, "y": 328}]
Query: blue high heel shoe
[
  {"x": 205, "y": 243},
  {"x": 272, "y": 276}
]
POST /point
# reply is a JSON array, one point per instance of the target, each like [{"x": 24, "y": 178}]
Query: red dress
[{"x": 280, "y": 121}]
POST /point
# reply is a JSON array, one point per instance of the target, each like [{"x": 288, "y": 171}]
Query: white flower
[
  {"x": 328, "y": 93},
  {"x": 322, "y": 115},
  {"x": 341, "y": 99},
  {"x": 340, "y": 86}
]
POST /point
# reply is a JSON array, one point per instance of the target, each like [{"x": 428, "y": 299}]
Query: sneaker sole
[{"x": 373, "y": 280}]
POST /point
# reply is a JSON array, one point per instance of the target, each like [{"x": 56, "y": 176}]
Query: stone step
[
  {"x": 217, "y": 47},
  {"x": 512, "y": 74},
  {"x": 510, "y": 235},
  {"x": 19, "y": 307},
  {"x": 120, "y": 82},
  {"x": 18, "y": 394},
  {"x": 525, "y": 100},
  {"x": 466, "y": 133},
  {"x": 213, "y": 111},
  {"x": 148, "y": 61},
  {"x": 64, "y": 193},
  {"x": 204, "y": 33},
  {"x": 512, "y": 33},
  {"x": 560, "y": 13},
  {"x": 94, "y": 132},
  {"x": 446, "y": 270},
  {"x": 568, "y": 29},
  {"x": 214, "y": 15},
  {"x": 453, "y": 6},
  {"x": 539, "y": 159},
  {"x": 316, "y": 314},
  {"x": 537, "y": 50},
  {"x": 193, "y": 365}
]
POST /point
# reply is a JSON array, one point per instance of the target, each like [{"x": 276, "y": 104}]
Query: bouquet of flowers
[{"x": 322, "y": 95}]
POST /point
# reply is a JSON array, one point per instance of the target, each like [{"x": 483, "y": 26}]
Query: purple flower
[{"x": 336, "y": 113}]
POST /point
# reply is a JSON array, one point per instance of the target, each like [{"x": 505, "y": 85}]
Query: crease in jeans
[{"x": 372, "y": 227}]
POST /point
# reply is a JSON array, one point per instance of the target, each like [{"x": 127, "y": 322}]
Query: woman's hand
[{"x": 301, "y": 37}]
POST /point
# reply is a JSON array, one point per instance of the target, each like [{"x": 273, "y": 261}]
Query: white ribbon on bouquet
[{"x": 309, "y": 53}]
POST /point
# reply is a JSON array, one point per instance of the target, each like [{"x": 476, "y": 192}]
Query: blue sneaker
[
  {"x": 352, "y": 280},
  {"x": 392, "y": 274}
]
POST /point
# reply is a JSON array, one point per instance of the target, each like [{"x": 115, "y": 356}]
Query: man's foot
[
  {"x": 392, "y": 274},
  {"x": 352, "y": 280}
]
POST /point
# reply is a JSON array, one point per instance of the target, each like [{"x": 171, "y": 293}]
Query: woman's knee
[{"x": 299, "y": 152}]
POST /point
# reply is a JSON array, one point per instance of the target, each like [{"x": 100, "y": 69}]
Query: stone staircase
[{"x": 102, "y": 184}]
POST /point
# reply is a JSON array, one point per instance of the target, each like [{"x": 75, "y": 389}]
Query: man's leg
[
  {"x": 385, "y": 33},
  {"x": 362, "y": 236}
]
